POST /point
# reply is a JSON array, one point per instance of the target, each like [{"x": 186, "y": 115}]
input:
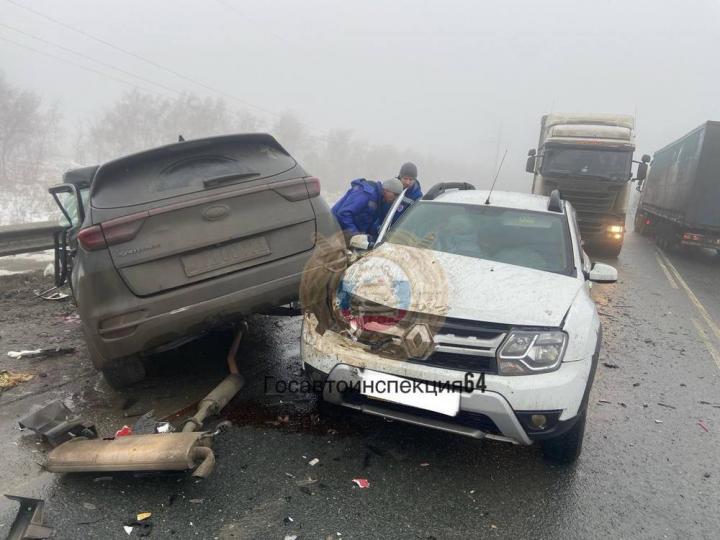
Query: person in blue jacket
[{"x": 364, "y": 205}]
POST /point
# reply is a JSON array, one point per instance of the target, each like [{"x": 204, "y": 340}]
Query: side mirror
[
  {"x": 642, "y": 171},
  {"x": 530, "y": 164},
  {"x": 602, "y": 273}
]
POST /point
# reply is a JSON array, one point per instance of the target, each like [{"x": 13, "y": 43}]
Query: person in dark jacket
[
  {"x": 364, "y": 206},
  {"x": 408, "y": 176}
]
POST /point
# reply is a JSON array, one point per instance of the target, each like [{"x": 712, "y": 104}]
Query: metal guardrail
[{"x": 16, "y": 239}]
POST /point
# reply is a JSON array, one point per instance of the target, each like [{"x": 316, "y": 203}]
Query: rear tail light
[
  {"x": 123, "y": 229},
  {"x": 313, "y": 186},
  {"x": 109, "y": 233},
  {"x": 298, "y": 191},
  {"x": 91, "y": 238}
]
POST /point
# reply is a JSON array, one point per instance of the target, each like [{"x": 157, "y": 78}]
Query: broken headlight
[{"x": 527, "y": 352}]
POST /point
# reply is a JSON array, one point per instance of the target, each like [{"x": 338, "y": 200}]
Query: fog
[{"x": 452, "y": 83}]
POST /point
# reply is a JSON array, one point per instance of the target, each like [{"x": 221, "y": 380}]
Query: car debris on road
[
  {"x": 56, "y": 423},
  {"x": 29, "y": 520},
  {"x": 41, "y": 353},
  {"x": 9, "y": 379}
]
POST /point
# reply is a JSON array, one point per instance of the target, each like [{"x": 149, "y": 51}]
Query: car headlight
[{"x": 526, "y": 352}]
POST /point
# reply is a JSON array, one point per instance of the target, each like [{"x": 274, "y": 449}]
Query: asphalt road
[{"x": 649, "y": 467}]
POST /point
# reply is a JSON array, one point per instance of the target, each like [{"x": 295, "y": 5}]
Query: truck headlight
[
  {"x": 615, "y": 229},
  {"x": 528, "y": 352}
]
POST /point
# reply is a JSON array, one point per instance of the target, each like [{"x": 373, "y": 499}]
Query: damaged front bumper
[
  {"x": 502, "y": 411},
  {"x": 481, "y": 415}
]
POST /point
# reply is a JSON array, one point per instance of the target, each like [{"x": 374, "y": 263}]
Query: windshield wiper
[{"x": 228, "y": 179}]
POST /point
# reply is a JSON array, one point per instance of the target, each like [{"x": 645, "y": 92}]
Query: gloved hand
[{"x": 360, "y": 241}]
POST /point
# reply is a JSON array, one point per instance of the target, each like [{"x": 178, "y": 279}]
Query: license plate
[
  {"x": 220, "y": 257},
  {"x": 377, "y": 385}
]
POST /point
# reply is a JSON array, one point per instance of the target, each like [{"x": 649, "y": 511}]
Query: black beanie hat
[{"x": 408, "y": 169}]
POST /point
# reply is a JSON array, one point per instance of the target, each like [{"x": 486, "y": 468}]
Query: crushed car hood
[{"x": 462, "y": 287}]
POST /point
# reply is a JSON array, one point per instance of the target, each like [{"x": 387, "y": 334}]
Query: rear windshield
[
  {"x": 156, "y": 176},
  {"x": 537, "y": 240}
]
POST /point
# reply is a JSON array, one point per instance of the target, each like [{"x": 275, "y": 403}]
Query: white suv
[{"x": 471, "y": 315}]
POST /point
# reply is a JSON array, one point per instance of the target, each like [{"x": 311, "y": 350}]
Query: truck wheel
[
  {"x": 567, "y": 447},
  {"x": 124, "y": 372}
]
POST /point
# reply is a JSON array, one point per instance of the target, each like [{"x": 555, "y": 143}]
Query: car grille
[
  {"x": 466, "y": 346},
  {"x": 588, "y": 200}
]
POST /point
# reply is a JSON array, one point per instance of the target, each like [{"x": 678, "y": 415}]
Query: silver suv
[{"x": 179, "y": 239}]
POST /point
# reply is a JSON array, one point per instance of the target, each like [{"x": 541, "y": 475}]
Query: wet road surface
[{"x": 649, "y": 466}]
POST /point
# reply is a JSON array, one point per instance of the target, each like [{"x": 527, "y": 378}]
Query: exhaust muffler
[{"x": 153, "y": 452}]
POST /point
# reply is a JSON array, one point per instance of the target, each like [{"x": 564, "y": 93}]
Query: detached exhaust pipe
[
  {"x": 154, "y": 452},
  {"x": 157, "y": 451},
  {"x": 216, "y": 400}
]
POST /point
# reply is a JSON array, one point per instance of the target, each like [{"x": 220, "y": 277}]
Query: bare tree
[
  {"x": 27, "y": 134},
  {"x": 138, "y": 121}
]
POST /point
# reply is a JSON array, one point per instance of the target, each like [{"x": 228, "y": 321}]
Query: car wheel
[
  {"x": 124, "y": 372},
  {"x": 566, "y": 448}
]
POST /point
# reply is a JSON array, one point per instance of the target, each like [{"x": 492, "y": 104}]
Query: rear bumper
[
  {"x": 185, "y": 312},
  {"x": 505, "y": 402}
]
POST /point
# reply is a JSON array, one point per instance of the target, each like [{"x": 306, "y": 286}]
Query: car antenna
[{"x": 487, "y": 201}]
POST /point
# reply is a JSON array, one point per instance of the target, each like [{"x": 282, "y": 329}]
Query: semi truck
[
  {"x": 680, "y": 200},
  {"x": 588, "y": 158}
]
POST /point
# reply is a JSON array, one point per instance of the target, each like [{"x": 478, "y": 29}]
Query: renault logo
[{"x": 418, "y": 341}]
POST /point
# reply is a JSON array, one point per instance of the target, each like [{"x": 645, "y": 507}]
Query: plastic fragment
[
  {"x": 142, "y": 516},
  {"x": 123, "y": 432},
  {"x": 313, "y": 462},
  {"x": 128, "y": 529},
  {"x": 362, "y": 483}
]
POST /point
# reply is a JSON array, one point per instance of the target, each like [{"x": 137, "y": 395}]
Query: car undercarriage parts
[
  {"x": 154, "y": 452},
  {"x": 221, "y": 395},
  {"x": 56, "y": 424},
  {"x": 28, "y": 522}
]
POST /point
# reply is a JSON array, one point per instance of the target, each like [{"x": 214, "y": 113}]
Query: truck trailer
[
  {"x": 588, "y": 158},
  {"x": 680, "y": 200}
]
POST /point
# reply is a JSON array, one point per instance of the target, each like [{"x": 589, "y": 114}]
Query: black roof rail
[
  {"x": 442, "y": 187},
  {"x": 555, "y": 202}
]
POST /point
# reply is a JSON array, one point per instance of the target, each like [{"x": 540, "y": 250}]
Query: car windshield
[
  {"x": 608, "y": 164},
  {"x": 538, "y": 240}
]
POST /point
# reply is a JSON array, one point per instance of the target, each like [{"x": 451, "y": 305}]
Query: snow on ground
[{"x": 28, "y": 262}]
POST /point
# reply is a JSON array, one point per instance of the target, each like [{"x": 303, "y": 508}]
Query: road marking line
[
  {"x": 668, "y": 275},
  {"x": 706, "y": 340},
  {"x": 691, "y": 296}
]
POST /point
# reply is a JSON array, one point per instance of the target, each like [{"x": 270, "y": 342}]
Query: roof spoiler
[
  {"x": 555, "y": 202},
  {"x": 442, "y": 187}
]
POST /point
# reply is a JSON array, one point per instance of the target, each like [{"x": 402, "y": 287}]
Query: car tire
[
  {"x": 124, "y": 372},
  {"x": 566, "y": 448}
]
